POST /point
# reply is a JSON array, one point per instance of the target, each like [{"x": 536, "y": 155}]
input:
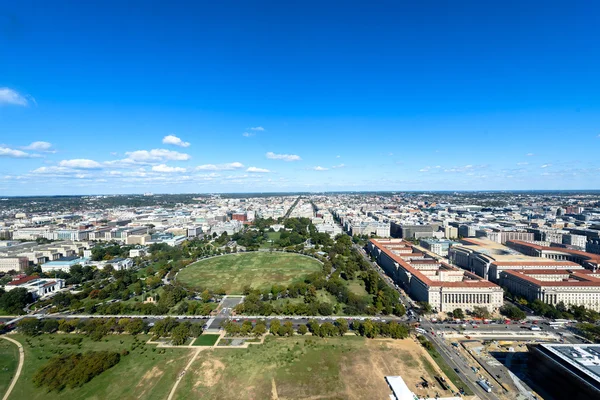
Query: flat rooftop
[
  {"x": 504, "y": 254},
  {"x": 391, "y": 248},
  {"x": 497, "y": 251},
  {"x": 584, "y": 357}
]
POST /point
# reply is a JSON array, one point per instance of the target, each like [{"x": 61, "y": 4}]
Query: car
[{"x": 456, "y": 370}]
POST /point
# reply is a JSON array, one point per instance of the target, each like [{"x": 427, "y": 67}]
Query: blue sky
[{"x": 252, "y": 96}]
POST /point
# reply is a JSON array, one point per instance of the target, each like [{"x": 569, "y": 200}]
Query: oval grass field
[{"x": 260, "y": 270}]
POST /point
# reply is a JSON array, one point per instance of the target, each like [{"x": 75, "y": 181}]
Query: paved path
[{"x": 19, "y": 368}]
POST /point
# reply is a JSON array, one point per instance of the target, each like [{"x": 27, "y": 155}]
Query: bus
[{"x": 559, "y": 322}]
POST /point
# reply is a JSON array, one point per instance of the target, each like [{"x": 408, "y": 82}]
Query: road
[
  {"x": 456, "y": 362},
  {"x": 19, "y": 368}
]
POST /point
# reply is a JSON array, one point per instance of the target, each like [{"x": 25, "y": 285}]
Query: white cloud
[
  {"x": 284, "y": 157},
  {"x": 155, "y": 155},
  {"x": 175, "y": 141},
  {"x": 523, "y": 163},
  {"x": 339, "y": 166},
  {"x": 529, "y": 154},
  {"x": 14, "y": 153},
  {"x": 319, "y": 168},
  {"x": 426, "y": 169},
  {"x": 257, "y": 170},
  {"x": 546, "y": 165},
  {"x": 51, "y": 170},
  {"x": 80, "y": 163},
  {"x": 220, "y": 167},
  {"x": 248, "y": 134},
  {"x": 466, "y": 168},
  {"x": 9, "y": 96},
  {"x": 257, "y": 128},
  {"x": 337, "y": 156},
  {"x": 166, "y": 168},
  {"x": 39, "y": 146}
]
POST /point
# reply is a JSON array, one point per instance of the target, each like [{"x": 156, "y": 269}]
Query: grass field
[
  {"x": 258, "y": 269},
  {"x": 357, "y": 287},
  {"x": 9, "y": 359},
  {"x": 274, "y": 236},
  {"x": 143, "y": 374},
  {"x": 206, "y": 340},
  {"x": 305, "y": 368}
]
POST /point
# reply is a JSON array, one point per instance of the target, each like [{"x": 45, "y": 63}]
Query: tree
[
  {"x": 15, "y": 300},
  {"x": 29, "y": 326},
  {"x": 274, "y": 328},
  {"x": 425, "y": 307},
  {"x": 342, "y": 326},
  {"x": 206, "y": 296},
  {"x": 259, "y": 329},
  {"x": 49, "y": 326},
  {"x": 302, "y": 330},
  {"x": 481, "y": 312},
  {"x": 512, "y": 312},
  {"x": 458, "y": 313},
  {"x": 180, "y": 334}
]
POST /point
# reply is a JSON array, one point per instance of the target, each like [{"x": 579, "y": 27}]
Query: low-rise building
[
  {"x": 437, "y": 246},
  {"x": 64, "y": 264},
  {"x": 38, "y": 287}
]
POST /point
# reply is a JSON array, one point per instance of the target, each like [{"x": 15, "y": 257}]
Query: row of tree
[
  {"x": 339, "y": 327},
  {"x": 73, "y": 370}
]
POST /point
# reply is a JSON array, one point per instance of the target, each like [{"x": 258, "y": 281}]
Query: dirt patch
[
  {"x": 148, "y": 380},
  {"x": 363, "y": 373},
  {"x": 150, "y": 376},
  {"x": 209, "y": 373}
]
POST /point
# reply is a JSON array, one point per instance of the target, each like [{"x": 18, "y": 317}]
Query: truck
[{"x": 484, "y": 385}]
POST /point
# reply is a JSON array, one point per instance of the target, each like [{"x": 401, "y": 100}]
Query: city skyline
[{"x": 313, "y": 98}]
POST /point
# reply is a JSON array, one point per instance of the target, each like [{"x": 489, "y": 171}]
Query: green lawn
[
  {"x": 9, "y": 359},
  {"x": 274, "y": 236},
  {"x": 357, "y": 287},
  {"x": 258, "y": 269},
  {"x": 144, "y": 373},
  {"x": 206, "y": 340},
  {"x": 350, "y": 368}
]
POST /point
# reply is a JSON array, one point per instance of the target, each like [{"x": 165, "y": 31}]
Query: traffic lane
[{"x": 468, "y": 377}]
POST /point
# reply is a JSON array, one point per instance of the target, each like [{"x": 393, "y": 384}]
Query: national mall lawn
[{"x": 260, "y": 270}]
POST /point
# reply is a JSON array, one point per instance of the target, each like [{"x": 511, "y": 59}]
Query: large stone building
[
  {"x": 488, "y": 259},
  {"x": 572, "y": 288},
  {"x": 13, "y": 264},
  {"x": 587, "y": 260},
  {"x": 443, "y": 286}
]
